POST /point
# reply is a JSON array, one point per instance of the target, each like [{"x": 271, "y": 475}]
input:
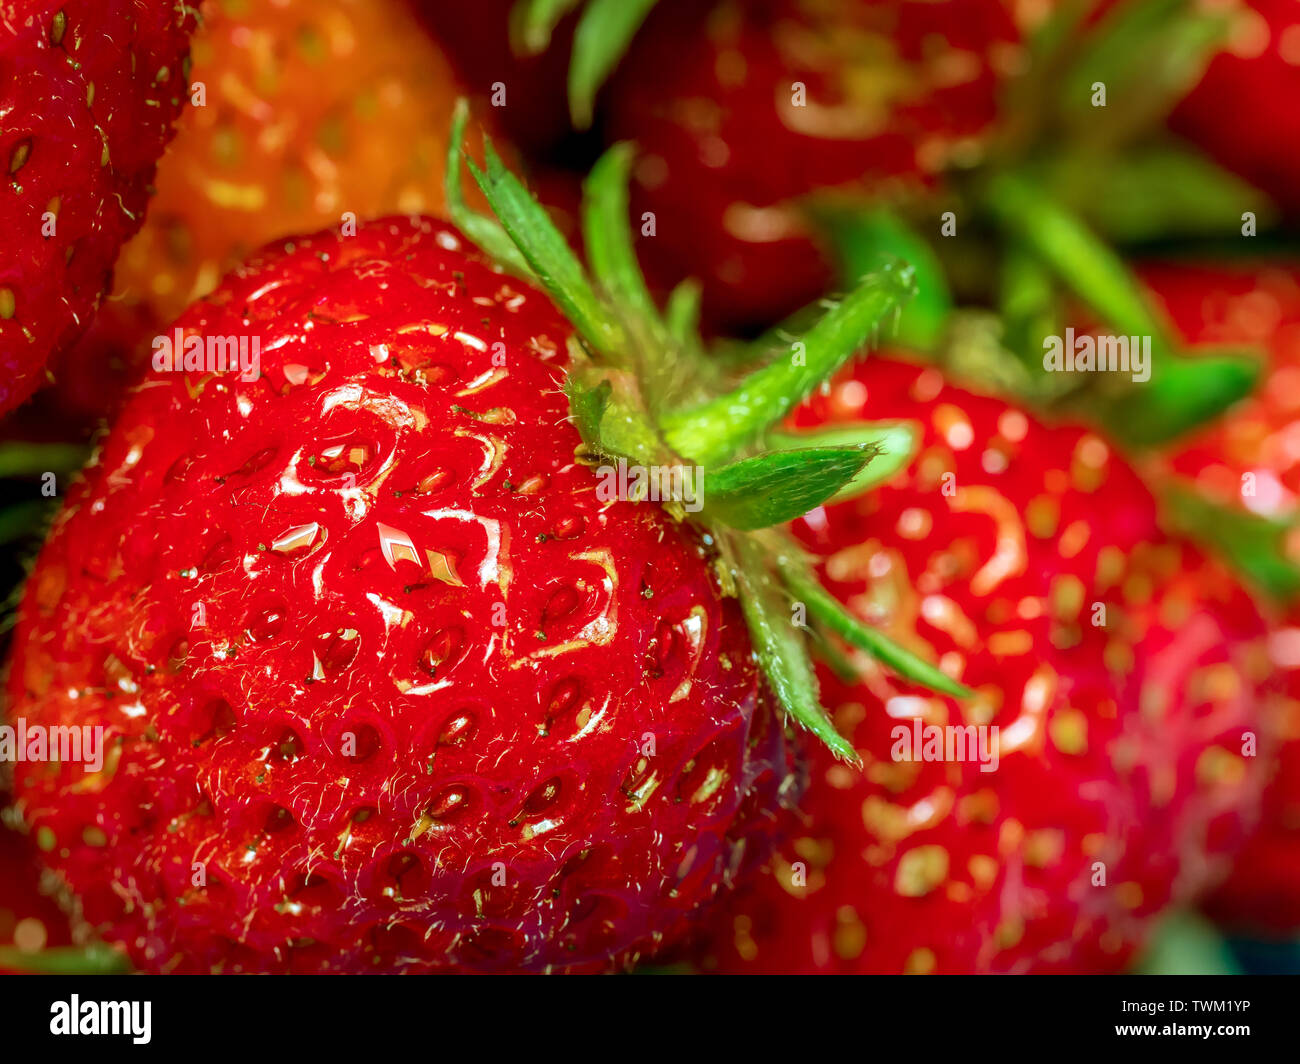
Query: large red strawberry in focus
[
  {"x": 1242, "y": 111},
  {"x": 90, "y": 90},
  {"x": 742, "y": 108},
  {"x": 385, "y": 686},
  {"x": 1250, "y": 461},
  {"x": 1120, "y": 782}
]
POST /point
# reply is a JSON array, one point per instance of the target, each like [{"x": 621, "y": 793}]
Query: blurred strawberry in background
[
  {"x": 1244, "y": 110},
  {"x": 312, "y": 112},
  {"x": 1248, "y": 464},
  {"x": 1124, "y": 780}
]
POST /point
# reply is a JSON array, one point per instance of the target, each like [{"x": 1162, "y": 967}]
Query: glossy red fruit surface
[
  {"x": 1120, "y": 781},
  {"x": 740, "y": 109},
  {"x": 1250, "y": 461},
  {"x": 384, "y": 685},
  {"x": 89, "y": 93}
]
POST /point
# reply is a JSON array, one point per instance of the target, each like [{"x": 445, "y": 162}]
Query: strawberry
[
  {"x": 1247, "y": 463},
  {"x": 1240, "y": 110},
  {"x": 91, "y": 90},
  {"x": 313, "y": 112},
  {"x": 367, "y": 770},
  {"x": 1119, "y": 782},
  {"x": 741, "y": 109}
]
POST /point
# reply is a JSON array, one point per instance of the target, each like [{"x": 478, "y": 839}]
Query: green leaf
[
  {"x": 548, "y": 254},
  {"x": 1253, "y": 544},
  {"x": 1148, "y": 54},
  {"x": 866, "y": 239},
  {"x": 893, "y": 444},
  {"x": 1155, "y": 191},
  {"x": 484, "y": 231},
  {"x": 781, "y": 647},
  {"x": 96, "y": 959},
  {"x": 713, "y": 431},
  {"x": 823, "y": 608},
  {"x": 682, "y": 314},
  {"x": 608, "y": 236},
  {"x": 1076, "y": 255},
  {"x": 1181, "y": 394},
  {"x": 1186, "y": 943},
  {"x": 33, "y": 459},
  {"x": 26, "y": 520},
  {"x": 773, "y": 488},
  {"x": 533, "y": 21},
  {"x": 587, "y": 406},
  {"x": 603, "y": 35}
]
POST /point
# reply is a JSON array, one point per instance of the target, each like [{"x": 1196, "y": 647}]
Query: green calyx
[
  {"x": 642, "y": 390},
  {"x": 604, "y": 31}
]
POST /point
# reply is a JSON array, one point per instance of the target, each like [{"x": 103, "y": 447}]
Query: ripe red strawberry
[
  {"x": 1120, "y": 745},
  {"x": 1241, "y": 111},
  {"x": 742, "y": 108},
  {"x": 373, "y": 660},
  {"x": 1250, "y": 461},
  {"x": 90, "y": 92},
  {"x": 314, "y": 110}
]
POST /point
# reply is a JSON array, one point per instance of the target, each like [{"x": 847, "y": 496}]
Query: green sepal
[
  {"x": 1148, "y": 54},
  {"x": 864, "y": 239},
  {"x": 893, "y": 444},
  {"x": 96, "y": 959},
  {"x": 587, "y": 406},
  {"x": 600, "y": 40},
  {"x": 1081, "y": 260},
  {"x": 533, "y": 21},
  {"x": 608, "y": 235},
  {"x": 484, "y": 231},
  {"x": 1159, "y": 191},
  {"x": 776, "y": 487},
  {"x": 26, "y": 520},
  {"x": 781, "y": 647},
  {"x": 719, "y": 428},
  {"x": 1181, "y": 394},
  {"x": 23, "y": 459},
  {"x": 824, "y": 609},
  {"x": 1251, "y": 543},
  {"x": 548, "y": 255}
]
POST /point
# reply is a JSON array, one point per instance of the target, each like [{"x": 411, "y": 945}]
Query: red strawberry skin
[
  {"x": 90, "y": 90},
  {"x": 1250, "y": 460},
  {"x": 1120, "y": 746},
  {"x": 896, "y": 92},
  {"x": 1242, "y": 111},
  {"x": 561, "y": 747}
]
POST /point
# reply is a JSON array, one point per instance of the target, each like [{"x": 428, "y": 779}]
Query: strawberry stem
[{"x": 717, "y": 429}]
